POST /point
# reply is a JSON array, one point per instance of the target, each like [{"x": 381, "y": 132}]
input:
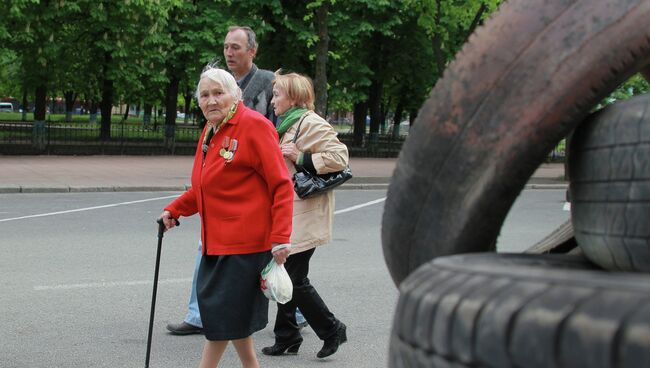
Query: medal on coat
[
  {"x": 228, "y": 148},
  {"x": 224, "y": 146}
]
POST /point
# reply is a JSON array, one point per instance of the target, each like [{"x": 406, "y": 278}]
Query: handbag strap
[
  {"x": 298, "y": 129},
  {"x": 298, "y": 167}
]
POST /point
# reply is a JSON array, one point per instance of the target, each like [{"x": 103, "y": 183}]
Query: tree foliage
[{"x": 376, "y": 57}]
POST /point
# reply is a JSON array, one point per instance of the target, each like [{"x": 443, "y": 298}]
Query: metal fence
[
  {"x": 58, "y": 138},
  {"x": 377, "y": 145},
  {"x": 84, "y": 138}
]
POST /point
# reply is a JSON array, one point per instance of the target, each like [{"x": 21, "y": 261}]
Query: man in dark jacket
[{"x": 239, "y": 49}]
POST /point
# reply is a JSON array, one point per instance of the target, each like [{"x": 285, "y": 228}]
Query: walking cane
[{"x": 161, "y": 231}]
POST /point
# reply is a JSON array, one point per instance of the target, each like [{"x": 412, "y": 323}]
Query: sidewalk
[{"x": 49, "y": 174}]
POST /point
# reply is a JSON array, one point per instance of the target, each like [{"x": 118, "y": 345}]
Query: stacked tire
[
  {"x": 522, "y": 82},
  {"x": 521, "y": 310},
  {"x": 609, "y": 170}
]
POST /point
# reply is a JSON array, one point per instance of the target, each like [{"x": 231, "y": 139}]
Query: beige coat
[{"x": 312, "y": 217}]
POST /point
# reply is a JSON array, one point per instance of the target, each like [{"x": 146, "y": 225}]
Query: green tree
[
  {"x": 636, "y": 85},
  {"x": 117, "y": 34},
  {"x": 179, "y": 58},
  {"x": 449, "y": 23},
  {"x": 31, "y": 31},
  {"x": 9, "y": 70},
  {"x": 381, "y": 56},
  {"x": 321, "y": 12},
  {"x": 372, "y": 25},
  {"x": 410, "y": 72}
]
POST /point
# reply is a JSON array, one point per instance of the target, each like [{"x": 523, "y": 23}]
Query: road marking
[
  {"x": 107, "y": 284},
  {"x": 86, "y": 209},
  {"x": 349, "y": 209}
]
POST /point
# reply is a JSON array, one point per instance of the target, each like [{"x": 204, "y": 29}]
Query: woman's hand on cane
[{"x": 168, "y": 220}]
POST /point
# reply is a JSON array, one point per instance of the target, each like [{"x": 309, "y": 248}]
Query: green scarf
[{"x": 289, "y": 118}]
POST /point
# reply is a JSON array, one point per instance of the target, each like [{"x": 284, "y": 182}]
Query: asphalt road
[{"x": 77, "y": 270}]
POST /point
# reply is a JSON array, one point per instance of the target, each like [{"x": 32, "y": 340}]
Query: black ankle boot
[
  {"x": 333, "y": 342},
  {"x": 291, "y": 347}
]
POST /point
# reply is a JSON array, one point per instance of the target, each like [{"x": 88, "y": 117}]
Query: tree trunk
[
  {"x": 359, "y": 120},
  {"x": 107, "y": 100},
  {"x": 25, "y": 105},
  {"x": 374, "y": 101},
  {"x": 170, "y": 111},
  {"x": 105, "y": 108},
  {"x": 146, "y": 117},
  {"x": 40, "y": 102},
  {"x": 376, "y": 90},
  {"x": 53, "y": 109},
  {"x": 412, "y": 115},
  {"x": 92, "y": 118},
  {"x": 436, "y": 44},
  {"x": 397, "y": 118},
  {"x": 477, "y": 20},
  {"x": 70, "y": 97},
  {"x": 200, "y": 118},
  {"x": 126, "y": 113},
  {"x": 188, "y": 103},
  {"x": 384, "y": 114},
  {"x": 322, "y": 48},
  {"x": 38, "y": 127}
]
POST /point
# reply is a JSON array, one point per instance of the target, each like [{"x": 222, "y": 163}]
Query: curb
[
  {"x": 351, "y": 185},
  {"x": 547, "y": 186},
  {"x": 21, "y": 189}
]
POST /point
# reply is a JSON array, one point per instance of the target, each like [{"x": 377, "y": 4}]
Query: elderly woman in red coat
[{"x": 242, "y": 191}]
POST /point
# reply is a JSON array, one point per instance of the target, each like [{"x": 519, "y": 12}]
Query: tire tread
[{"x": 524, "y": 311}]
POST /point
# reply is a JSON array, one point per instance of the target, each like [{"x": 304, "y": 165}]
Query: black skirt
[{"x": 231, "y": 304}]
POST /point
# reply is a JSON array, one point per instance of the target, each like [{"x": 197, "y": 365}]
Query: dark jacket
[{"x": 257, "y": 91}]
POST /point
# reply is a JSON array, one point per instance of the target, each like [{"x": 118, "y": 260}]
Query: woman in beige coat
[{"x": 318, "y": 150}]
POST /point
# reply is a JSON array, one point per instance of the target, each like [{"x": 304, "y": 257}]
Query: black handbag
[{"x": 307, "y": 184}]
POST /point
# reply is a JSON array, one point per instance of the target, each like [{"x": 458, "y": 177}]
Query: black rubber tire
[
  {"x": 521, "y": 310},
  {"x": 610, "y": 185},
  {"x": 519, "y": 85}
]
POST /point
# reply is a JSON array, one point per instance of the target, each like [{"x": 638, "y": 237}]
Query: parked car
[{"x": 6, "y": 107}]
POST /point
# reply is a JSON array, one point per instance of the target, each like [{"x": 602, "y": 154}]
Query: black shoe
[
  {"x": 184, "y": 328},
  {"x": 291, "y": 347},
  {"x": 333, "y": 342}
]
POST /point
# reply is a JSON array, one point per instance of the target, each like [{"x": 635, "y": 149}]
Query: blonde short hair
[
  {"x": 224, "y": 78},
  {"x": 298, "y": 88}
]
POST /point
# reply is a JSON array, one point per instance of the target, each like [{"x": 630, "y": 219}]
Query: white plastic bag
[{"x": 275, "y": 283}]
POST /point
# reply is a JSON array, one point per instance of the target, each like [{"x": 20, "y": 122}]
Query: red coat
[{"x": 245, "y": 204}]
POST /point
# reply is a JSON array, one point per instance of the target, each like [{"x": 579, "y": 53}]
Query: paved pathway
[{"x": 150, "y": 173}]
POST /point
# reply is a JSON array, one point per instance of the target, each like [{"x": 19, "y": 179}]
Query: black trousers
[{"x": 306, "y": 298}]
